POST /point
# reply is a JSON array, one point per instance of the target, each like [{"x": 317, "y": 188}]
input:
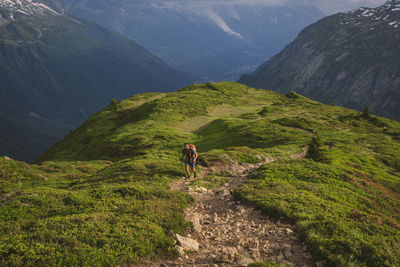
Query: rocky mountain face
[
  {"x": 57, "y": 70},
  {"x": 351, "y": 59},
  {"x": 213, "y": 40}
]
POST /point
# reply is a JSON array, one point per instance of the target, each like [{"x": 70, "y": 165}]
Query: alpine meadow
[
  {"x": 126, "y": 142},
  {"x": 101, "y": 196}
]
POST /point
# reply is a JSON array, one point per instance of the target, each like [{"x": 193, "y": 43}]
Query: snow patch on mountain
[
  {"x": 25, "y": 7},
  {"x": 171, "y": 6},
  {"x": 387, "y": 14}
]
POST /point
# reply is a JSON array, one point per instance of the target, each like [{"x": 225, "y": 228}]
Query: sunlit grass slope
[
  {"x": 211, "y": 115},
  {"x": 101, "y": 195}
]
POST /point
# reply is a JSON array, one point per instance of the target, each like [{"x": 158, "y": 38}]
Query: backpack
[
  {"x": 193, "y": 147},
  {"x": 191, "y": 151}
]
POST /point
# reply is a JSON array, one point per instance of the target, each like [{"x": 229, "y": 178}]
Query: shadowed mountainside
[
  {"x": 351, "y": 59},
  {"x": 57, "y": 70},
  {"x": 211, "y": 40}
]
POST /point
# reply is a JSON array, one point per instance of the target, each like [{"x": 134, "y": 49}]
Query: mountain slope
[
  {"x": 56, "y": 70},
  {"x": 350, "y": 58},
  {"x": 213, "y": 40},
  {"x": 21, "y": 142},
  {"x": 101, "y": 195}
]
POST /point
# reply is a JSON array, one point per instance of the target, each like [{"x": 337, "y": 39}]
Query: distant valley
[{"x": 209, "y": 39}]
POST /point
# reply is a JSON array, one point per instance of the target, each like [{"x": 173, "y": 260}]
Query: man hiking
[{"x": 189, "y": 156}]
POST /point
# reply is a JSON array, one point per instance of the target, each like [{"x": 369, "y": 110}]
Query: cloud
[{"x": 221, "y": 23}]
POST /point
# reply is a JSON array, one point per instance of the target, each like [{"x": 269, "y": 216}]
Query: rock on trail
[{"x": 229, "y": 233}]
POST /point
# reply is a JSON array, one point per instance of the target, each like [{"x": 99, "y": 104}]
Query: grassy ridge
[
  {"x": 101, "y": 195},
  {"x": 147, "y": 123},
  {"x": 348, "y": 210}
]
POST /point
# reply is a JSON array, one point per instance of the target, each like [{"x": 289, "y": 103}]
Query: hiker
[{"x": 189, "y": 156}]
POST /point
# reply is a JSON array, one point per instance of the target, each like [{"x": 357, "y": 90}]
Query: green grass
[
  {"x": 213, "y": 180},
  {"x": 347, "y": 210},
  {"x": 101, "y": 195},
  {"x": 89, "y": 213}
]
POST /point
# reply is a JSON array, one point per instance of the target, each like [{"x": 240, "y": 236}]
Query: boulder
[
  {"x": 187, "y": 243},
  {"x": 195, "y": 219},
  {"x": 289, "y": 231}
]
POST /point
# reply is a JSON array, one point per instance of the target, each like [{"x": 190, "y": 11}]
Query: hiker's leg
[
  {"x": 194, "y": 169},
  {"x": 187, "y": 170}
]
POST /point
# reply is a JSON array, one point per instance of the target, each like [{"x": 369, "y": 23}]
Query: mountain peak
[
  {"x": 389, "y": 14},
  {"x": 392, "y": 2},
  {"x": 12, "y": 9}
]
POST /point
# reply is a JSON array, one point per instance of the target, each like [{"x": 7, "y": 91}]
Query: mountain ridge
[{"x": 349, "y": 58}]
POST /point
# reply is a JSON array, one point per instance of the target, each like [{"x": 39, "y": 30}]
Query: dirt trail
[{"x": 229, "y": 233}]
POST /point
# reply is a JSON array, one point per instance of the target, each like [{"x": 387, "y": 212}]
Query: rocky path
[{"x": 228, "y": 233}]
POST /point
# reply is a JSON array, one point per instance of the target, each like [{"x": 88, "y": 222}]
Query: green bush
[
  {"x": 366, "y": 113},
  {"x": 292, "y": 95},
  {"x": 263, "y": 112},
  {"x": 316, "y": 151}
]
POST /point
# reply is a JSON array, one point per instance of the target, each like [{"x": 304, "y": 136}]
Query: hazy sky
[
  {"x": 332, "y": 6},
  {"x": 327, "y": 6}
]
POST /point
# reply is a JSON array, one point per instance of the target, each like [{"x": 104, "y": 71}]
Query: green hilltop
[{"x": 101, "y": 195}]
